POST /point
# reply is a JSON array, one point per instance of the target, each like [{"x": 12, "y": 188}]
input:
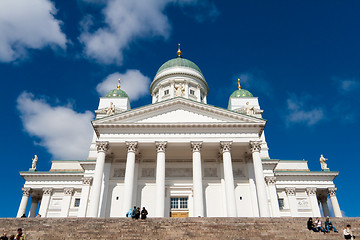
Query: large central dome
[{"x": 179, "y": 62}]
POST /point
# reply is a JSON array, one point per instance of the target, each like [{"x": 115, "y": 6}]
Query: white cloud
[
  {"x": 345, "y": 86},
  {"x": 133, "y": 82},
  {"x": 251, "y": 82},
  {"x": 126, "y": 21},
  {"x": 26, "y": 25},
  {"x": 298, "y": 111},
  {"x": 66, "y": 134}
]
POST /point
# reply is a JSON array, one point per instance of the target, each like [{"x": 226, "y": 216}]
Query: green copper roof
[
  {"x": 116, "y": 93},
  {"x": 241, "y": 93},
  {"x": 181, "y": 62}
]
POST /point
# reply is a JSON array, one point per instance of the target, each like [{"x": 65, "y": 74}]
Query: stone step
[{"x": 172, "y": 228}]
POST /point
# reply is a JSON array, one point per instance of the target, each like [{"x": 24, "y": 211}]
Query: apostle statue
[
  {"x": 323, "y": 163},
  {"x": 110, "y": 110},
  {"x": 179, "y": 90},
  {"x": 249, "y": 110},
  {"x": 34, "y": 161}
]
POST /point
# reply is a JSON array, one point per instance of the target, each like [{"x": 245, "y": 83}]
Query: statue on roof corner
[
  {"x": 249, "y": 110},
  {"x": 179, "y": 90},
  {"x": 34, "y": 162},
  {"x": 111, "y": 109},
  {"x": 323, "y": 163}
]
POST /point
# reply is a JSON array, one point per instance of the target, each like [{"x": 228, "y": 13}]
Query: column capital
[
  {"x": 102, "y": 146},
  {"x": 87, "y": 180},
  {"x": 196, "y": 146},
  {"x": 35, "y": 198},
  {"x": 47, "y": 191},
  {"x": 311, "y": 191},
  {"x": 131, "y": 146},
  {"x": 255, "y": 146},
  {"x": 332, "y": 191},
  {"x": 68, "y": 191},
  {"x": 290, "y": 191},
  {"x": 26, "y": 191},
  {"x": 161, "y": 146},
  {"x": 225, "y": 146},
  {"x": 270, "y": 180}
]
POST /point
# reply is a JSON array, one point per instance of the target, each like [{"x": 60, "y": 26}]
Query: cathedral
[{"x": 179, "y": 157}]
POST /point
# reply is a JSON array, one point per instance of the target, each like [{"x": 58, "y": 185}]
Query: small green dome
[
  {"x": 179, "y": 62},
  {"x": 241, "y": 93},
  {"x": 116, "y": 93}
]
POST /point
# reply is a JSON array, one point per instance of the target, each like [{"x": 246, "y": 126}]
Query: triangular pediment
[{"x": 178, "y": 110}]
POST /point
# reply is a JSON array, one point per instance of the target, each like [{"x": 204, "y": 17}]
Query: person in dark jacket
[
  {"x": 137, "y": 213},
  {"x": 144, "y": 212},
  {"x": 310, "y": 224}
]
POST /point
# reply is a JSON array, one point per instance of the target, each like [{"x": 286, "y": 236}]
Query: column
[
  {"x": 334, "y": 202},
  {"x": 198, "y": 93},
  {"x": 45, "y": 200},
  {"x": 102, "y": 148},
  {"x": 34, "y": 204},
  {"x": 270, "y": 181},
  {"x": 85, "y": 190},
  {"x": 323, "y": 200},
  {"x": 160, "y": 179},
  {"x": 186, "y": 83},
  {"x": 291, "y": 194},
  {"x": 129, "y": 176},
  {"x": 24, "y": 201},
  {"x": 65, "y": 205},
  {"x": 255, "y": 147},
  {"x": 172, "y": 89},
  {"x": 105, "y": 189},
  {"x": 311, "y": 192},
  {"x": 197, "y": 180},
  {"x": 229, "y": 179}
]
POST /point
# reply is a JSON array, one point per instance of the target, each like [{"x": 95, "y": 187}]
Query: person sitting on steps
[
  {"x": 329, "y": 226},
  {"x": 144, "y": 212},
  {"x": 319, "y": 226},
  {"x": 310, "y": 225}
]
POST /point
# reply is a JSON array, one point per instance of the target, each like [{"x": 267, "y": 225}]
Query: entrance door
[{"x": 179, "y": 207}]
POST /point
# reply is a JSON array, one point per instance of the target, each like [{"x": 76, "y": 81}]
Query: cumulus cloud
[
  {"x": 133, "y": 82},
  {"x": 299, "y": 112},
  {"x": 345, "y": 86},
  {"x": 65, "y": 133},
  {"x": 250, "y": 81},
  {"x": 125, "y": 21},
  {"x": 27, "y": 25}
]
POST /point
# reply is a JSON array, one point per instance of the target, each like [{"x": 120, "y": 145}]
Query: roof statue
[
  {"x": 34, "y": 162},
  {"x": 323, "y": 163},
  {"x": 179, "y": 90},
  {"x": 111, "y": 109}
]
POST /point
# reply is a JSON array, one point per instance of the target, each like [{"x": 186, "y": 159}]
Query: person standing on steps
[
  {"x": 144, "y": 212},
  {"x": 348, "y": 233},
  {"x": 4, "y": 237},
  {"x": 129, "y": 213},
  {"x": 133, "y": 212},
  {"x": 137, "y": 213}
]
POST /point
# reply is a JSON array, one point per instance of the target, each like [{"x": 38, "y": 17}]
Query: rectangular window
[
  {"x": 179, "y": 203},
  {"x": 281, "y": 203},
  {"x": 192, "y": 92},
  {"x": 77, "y": 202},
  {"x": 166, "y": 92}
]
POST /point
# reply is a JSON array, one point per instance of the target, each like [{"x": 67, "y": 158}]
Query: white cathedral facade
[{"x": 179, "y": 157}]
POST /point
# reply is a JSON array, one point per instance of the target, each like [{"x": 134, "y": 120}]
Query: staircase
[{"x": 171, "y": 228}]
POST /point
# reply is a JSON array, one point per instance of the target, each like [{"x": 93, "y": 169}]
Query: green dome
[
  {"x": 179, "y": 62},
  {"x": 241, "y": 93},
  {"x": 116, "y": 93}
]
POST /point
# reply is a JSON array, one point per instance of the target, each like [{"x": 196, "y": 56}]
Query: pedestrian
[
  {"x": 23, "y": 216},
  {"x": 329, "y": 226},
  {"x": 144, "y": 212},
  {"x": 348, "y": 233},
  {"x": 20, "y": 235},
  {"x": 137, "y": 213},
  {"x": 129, "y": 213},
  {"x": 4, "y": 237},
  {"x": 133, "y": 212}
]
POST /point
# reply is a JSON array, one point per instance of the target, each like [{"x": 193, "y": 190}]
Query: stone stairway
[{"x": 171, "y": 228}]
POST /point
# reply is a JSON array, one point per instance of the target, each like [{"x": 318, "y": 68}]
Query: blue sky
[{"x": 301, "y": 58}]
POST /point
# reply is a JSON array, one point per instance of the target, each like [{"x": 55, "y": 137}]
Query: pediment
[{"x": 178, "y": 110}]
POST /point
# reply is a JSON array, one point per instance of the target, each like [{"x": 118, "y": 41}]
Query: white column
[
  {"x": 186, "y": 83},
  {"x": 24, "y": 201},
  {"x": 255, "y": 147},
  {"x": 102, "y": 148},
  {"x": 291, "y": 194},
  {"x": 334, "y": 202},
  {"x": 311, "y": 192},
  {"x": 33, "y": 207},
  {"x": 129, "y": 176},
  {"x": 84, "y": 200},
  {"x": 198, "y": 93},
  {"x": 45, "y": 200},
  {"x": 197, "y": 180},
  {"x": 323, "y": 200},
  {"x": 253, "y": 194},
  {"x": 273, "y": 196},
  {"x": 172, "y": 89},
  {"x": 65, "y": 206},
  {"x": 229, "y": 179},
  {"x": 160, "y": 179}
]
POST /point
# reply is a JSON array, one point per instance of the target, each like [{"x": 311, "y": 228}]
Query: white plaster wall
[
  {"x": 244, "y": 206},
  {"x": 148, "y": 198},
  {"x": 213, "y": 200},
  {"x": 299, "y": 165},
  {"x": 65, "y": 165},
  {"x": 117, "y": 200},
  {"x": 122, "y": 103}
]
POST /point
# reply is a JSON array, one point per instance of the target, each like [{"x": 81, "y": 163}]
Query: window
[
  {"x": 166, "y": 92},
  {"x": 77, "y": 202},
  {"x": 281, "y": 203},
  {"x": 179, "y": 203},
  {"x": 192, "y": 92}
]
